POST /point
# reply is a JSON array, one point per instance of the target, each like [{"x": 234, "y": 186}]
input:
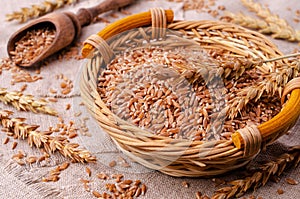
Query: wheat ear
[
  {"x": 273, "y": 83},
  {"x": 260, "y": 177},
  {"x": 25, "y": 102},
  {"x": 35, "y": 11},
  {"x": 19, "y": 129},
  {"x": 278, "y": 26}
]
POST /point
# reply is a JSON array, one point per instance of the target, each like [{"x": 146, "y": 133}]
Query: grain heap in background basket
[{"x": 181, "y": 93}]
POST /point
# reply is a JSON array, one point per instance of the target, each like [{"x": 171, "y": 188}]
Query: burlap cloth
[{"x": 25, "y": 181}]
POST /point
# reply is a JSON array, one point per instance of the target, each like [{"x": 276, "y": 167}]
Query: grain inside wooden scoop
[{"x": 32, "y": 44}]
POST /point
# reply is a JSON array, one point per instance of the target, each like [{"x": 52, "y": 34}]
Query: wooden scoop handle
[{"x": 86, "y": 15}]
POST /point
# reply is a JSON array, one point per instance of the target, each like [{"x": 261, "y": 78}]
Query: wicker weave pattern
[
  {"x": 183, "y": 157},
  {"x": 101, "y": 46}
]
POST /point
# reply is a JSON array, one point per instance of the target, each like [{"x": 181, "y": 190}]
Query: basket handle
[
  {"x": 127, "y": 23},
  {"x": 289, "y": 87},
  {"x": 249, "y": 139}
]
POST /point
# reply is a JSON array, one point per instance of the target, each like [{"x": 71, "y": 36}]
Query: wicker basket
[{"x": 180, "y": 157}]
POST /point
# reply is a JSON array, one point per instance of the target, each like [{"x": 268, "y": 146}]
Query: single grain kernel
[
  {"x": 102, "y": 176},
  {"x": 31, "y": 159},
  {"x": 72, "y": 135},
  {"x": 68, "y": 106},
  {"x": 64, "y": 166},
  {"x": 280, "y": 191},
  {"x": 112, "y": 163},
  {"x": 185, "y": 184},
  {"x": 96, "y": 194},
  {"x": 14, "y": 145},
  {"x": 52, "y": 91},
  {"x": 6, "y": 140},
  {"x": 291, "y": 181},
  {"x": 63, "y": 85},
  {"x": 52, "y": 99},
  {"x": 88, "y": 171}
]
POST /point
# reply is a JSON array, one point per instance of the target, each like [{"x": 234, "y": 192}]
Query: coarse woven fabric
[{"x": 25, "y": 181}]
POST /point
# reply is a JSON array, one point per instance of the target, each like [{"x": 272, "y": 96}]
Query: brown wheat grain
[
  {"x": 112, "y": 163},
  {"x": 291, "y": 181},
  {"x": 280, "y": 191},
  {"x": 6, "y": 140},
  {"x": 14, "y": 145},
  {"x": 88, "y": 171}
]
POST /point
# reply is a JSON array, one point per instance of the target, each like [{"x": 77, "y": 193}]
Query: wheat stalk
[
  {"x": 19, "y": 129},
  {"x": 35, "y": 11},
  {"x": 261, "y": 176},
  {"x": 25, "y": 102},
  {"x": 278, "y": 27}
]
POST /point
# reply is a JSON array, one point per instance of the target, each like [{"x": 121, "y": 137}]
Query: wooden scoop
[{"x": 67, "y": 27}]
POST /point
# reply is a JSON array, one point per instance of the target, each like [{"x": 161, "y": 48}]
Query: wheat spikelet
[
  {"x": 261, "y": 176},
  {"x": 38, "y": 10},
  {"x": 278, "y": 27},
  {"x": 276, "y": 80},
  {"x": 25, "y": 102},
  {"x": 236, "y": 66},
  {"x": 51, "y": 144},
  {"x": 233, "y": 68},
  {"x": 221, "y": 65},
  {"x": 272, "y": 84}
]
